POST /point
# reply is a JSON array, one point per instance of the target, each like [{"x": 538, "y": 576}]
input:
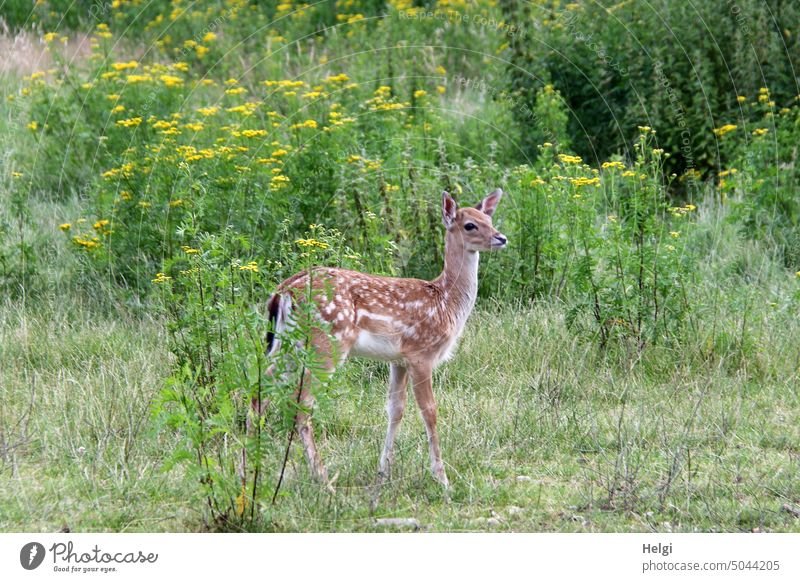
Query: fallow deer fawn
[{"x": 412, "y": 324}]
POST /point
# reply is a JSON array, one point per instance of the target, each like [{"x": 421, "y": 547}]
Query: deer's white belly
[{"x": 373, "y": 345}]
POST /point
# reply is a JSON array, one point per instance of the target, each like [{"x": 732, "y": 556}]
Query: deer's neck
[{"x": 459, "y": 281}]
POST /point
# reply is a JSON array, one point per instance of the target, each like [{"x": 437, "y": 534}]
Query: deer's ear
[
  {"x": 449, "y": 208},
  {"x": 489, "y": 204}
]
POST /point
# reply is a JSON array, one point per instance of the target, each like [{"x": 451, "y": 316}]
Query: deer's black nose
[{"x": 501, "y": 239}]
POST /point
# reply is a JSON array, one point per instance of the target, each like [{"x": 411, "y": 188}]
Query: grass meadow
[{"x": 633, "y": 361}]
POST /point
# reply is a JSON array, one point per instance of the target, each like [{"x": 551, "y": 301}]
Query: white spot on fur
[{"x": 370, "y": 315}]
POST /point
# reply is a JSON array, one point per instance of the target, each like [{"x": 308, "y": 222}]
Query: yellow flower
[
  {"x": 138, "y": 78},
  {"x": 236, "y": 91},
  {"x": 278, "y": 182},
  {"x": 312, "y": 243},
  {"x": 175, "y": 203},
  {"x": 189, "y": 250},
  {"x": 584, "y": 181},
  {"x": 171, "y": 80},
  {"x": 440, "y": 89},
  {"x": 162, "y": 124},
  {"x": 645, "y": 128},
  {"x": 727, "y": 128},
  {"x": 209, "y": 37},
  {"x": 254, "y": 132},
  {"x": 118, "y": 109},
  {"x": 309, "y": 123},
  {"x": 85, "y": 243},
  {"x": 615, "y": 164},
  {"x": 161, "y": 278},
  {"x": 132, "y": 122},
  {"x": 567, "y": 159},
  {"x": 65, "y": 227},
  {"x": 741, "y": 98},
  {"x": 674, "y": 234},
  {"x": 761, "y": 131},
  {"x": 246, "y": 109},
  {"x": 33, "y": 125},
  {"x": 251, "y": 266},
  {"x": 341, "y": 78},
  {"x": 124, "y": 66},
  {"x": 420, "y": 93},
  {"x": 208, "y": 111}
]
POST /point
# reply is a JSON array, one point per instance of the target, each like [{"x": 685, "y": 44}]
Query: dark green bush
[{"x": 675, "y": 67}]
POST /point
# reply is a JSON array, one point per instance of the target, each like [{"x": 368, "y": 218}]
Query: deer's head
[{"x": 471, "y": 227}]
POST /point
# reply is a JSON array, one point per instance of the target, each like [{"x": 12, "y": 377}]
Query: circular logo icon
[{"x": 31, "y": 555}]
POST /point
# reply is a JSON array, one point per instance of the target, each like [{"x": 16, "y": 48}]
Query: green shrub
[
  {"x": 674, "y": 67},
  {"x": 214, "y": 299}
]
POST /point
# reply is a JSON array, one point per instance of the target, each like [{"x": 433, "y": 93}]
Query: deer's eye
[{"x": 470, "y": 226}]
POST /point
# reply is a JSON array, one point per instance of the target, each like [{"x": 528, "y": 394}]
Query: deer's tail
[{"x": 279, "y": 308}]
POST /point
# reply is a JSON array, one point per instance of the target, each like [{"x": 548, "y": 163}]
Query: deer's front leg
[
  {"x": 421, "y": 377},
  {"x": 395, "y": 406}
]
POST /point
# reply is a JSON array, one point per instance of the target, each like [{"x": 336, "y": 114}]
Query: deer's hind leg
[
  {"x": 395, "y": 406},
  {"x": 327, "y": 356}
]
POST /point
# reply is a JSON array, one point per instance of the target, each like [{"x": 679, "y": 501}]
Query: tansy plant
[{"x": 229, "y": 401}]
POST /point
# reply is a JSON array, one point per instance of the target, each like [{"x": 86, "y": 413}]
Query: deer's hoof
[
  {"x": 441, "y": 476},
  {"x": 328, "y": 483}
]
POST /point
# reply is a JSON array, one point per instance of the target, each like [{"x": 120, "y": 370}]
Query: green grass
[{"x": 670, "y": 443}]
